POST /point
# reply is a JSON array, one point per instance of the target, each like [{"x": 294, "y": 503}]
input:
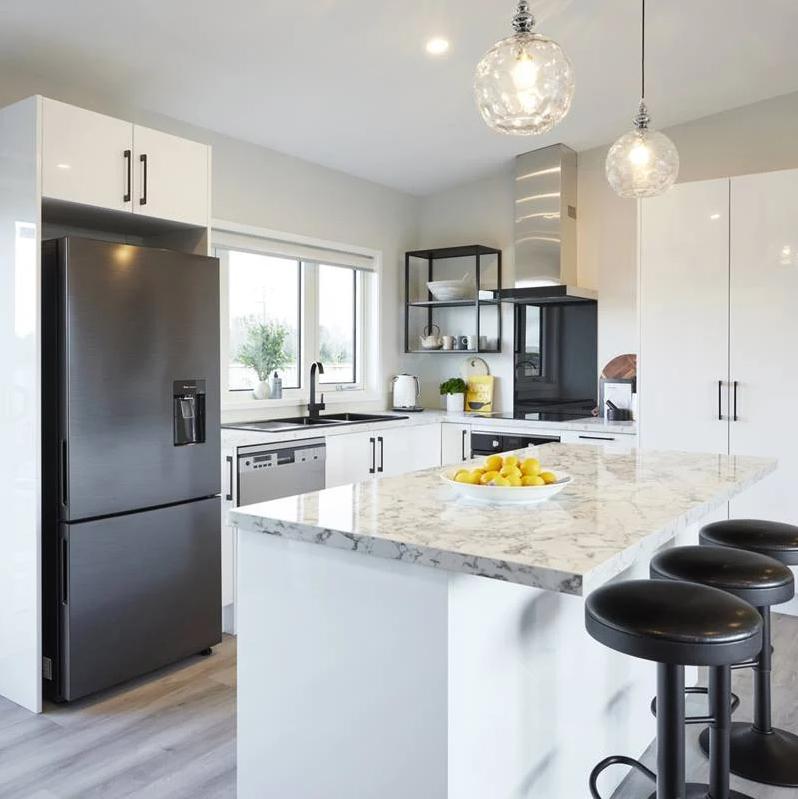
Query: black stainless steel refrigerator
[{"x": 131, "y": 461}]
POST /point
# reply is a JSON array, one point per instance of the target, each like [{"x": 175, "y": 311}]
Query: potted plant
[
  {"x": 263, "y": 351},
  {"x": 454, "y": 390}
]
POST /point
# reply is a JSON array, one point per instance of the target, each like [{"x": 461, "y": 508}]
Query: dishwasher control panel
[{"x": 279, "y": 455}]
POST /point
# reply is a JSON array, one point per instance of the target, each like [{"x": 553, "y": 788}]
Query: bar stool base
[
  {"x": 695, "y": 790},
  {"x": 769, "y": 758}
]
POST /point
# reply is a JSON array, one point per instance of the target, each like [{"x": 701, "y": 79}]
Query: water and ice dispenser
[{"x": 188, "y": 403}]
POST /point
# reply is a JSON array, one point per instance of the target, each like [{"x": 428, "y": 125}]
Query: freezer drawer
[{"x": 140, "y": 591}]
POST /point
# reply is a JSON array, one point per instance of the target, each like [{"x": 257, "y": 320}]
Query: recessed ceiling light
[
  {"x": 63, "y": 166},
  {"x": 437, "y": 46}
]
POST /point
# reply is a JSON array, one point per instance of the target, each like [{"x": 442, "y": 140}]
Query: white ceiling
[{"x": 347, "y": 84}]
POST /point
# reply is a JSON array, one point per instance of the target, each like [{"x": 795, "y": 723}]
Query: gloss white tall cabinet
[
  {"x": 63, "y": 169},
  {"x": 718, "y": 328}
]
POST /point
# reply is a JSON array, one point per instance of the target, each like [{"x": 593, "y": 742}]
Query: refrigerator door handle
[
  {"x": 64, "y": 570},
  {"x": 64, "y": 474},
  {"x": 229, "y": 495}
]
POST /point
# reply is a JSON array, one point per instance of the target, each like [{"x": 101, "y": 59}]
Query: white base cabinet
[
  {"x": 354, "y": 457},
  {"x": 455, "y": 443}
]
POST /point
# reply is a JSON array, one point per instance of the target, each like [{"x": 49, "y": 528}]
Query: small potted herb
[{"x": 454, "y": 390}]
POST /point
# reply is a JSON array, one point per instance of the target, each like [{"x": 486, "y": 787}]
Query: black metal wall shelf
[{"x": 425, "y": 262}]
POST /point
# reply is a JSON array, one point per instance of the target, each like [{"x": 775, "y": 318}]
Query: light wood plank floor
[
  {"x": 170, "y": 735},
  {"x": 785, "y": 715}
]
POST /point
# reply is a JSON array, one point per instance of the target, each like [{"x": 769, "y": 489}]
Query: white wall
[
  {"x": 481, "y": 212},
  {"x": 260, "y": 187}
]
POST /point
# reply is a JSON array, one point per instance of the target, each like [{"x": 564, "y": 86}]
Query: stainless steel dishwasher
[{"x": 271, "y": 471}]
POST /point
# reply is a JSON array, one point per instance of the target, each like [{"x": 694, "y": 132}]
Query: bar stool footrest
[
  {"x": 697, "y": 689},
  {"x": 614, "y": 760}
]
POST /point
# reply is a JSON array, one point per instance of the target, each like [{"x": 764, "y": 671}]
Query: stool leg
[
  {"x": 760, "y": 752},
  {"x": 762, "y": 715},
  {"x": 720, "y": 710},
  {"x": 670, "y": 731}
]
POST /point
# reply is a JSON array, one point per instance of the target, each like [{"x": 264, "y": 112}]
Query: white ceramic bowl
[
  {"x": 450, "y": 290},
  {"x": 506, "y": 495}
]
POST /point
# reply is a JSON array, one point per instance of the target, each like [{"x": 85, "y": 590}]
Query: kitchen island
[{"x": 396, "y": 641}]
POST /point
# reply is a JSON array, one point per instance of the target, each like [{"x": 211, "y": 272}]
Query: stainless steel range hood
[{"x": 545, "y": 229}]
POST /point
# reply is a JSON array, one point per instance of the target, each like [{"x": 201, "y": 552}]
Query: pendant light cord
[{"x": 643, "y": 53}]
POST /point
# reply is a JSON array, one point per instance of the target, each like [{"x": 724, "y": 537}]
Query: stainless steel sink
[
  {"x": 298, "y": 422},
  {"x": 352, "y": 418}
]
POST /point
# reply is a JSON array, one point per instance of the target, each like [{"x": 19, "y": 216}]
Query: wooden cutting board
[{"x": 622, "y": 367}]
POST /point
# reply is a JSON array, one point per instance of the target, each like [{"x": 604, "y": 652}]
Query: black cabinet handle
[
  {"x": 129, "y": 161},
  {"x": 143, "y": 200},
  {"x": 381, "y": 467},
  {"x": 720, "y": 401},
  {"x": 64, "y": 570},
  {"x": 229, "y": 494},
  {"x": 64, "y": 474},
  {"x": 734, "y": 417},
  {"x": 463, "y": 443},
  {"x": 598, "y": 438},
  {"x": 373, "y": 467}
]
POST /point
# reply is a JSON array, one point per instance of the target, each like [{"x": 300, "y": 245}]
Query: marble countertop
[
  {"x": 619, "y": 508},
  {"x": 238, "y": 438}
]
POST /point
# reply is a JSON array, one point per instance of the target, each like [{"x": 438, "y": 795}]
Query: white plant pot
[
  {"x": 262, "y": 390},
  {"x": 455, "y": 403}
]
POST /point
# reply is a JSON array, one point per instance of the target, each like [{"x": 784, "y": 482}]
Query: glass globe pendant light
[
  {"x": 643, "y": 162},
  {"x": 525, "y": 83}
]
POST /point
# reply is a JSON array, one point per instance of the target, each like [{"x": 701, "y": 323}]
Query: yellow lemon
[
  {"x": 493, "y": 463},
  {"x": 488, "y": 477},
  {"x": 511, "y": 460},
  {"x": 515, "y": 480},
  {"x": 548, "y": 477},
  {"x": 476, "y": 476},
  {"x": 500, "y": 481},
  {"x": 510, "y": 471},
  {"x": 462, "y": 476},
  {"x": 530, "y": 467},
  {"x": 532, "y": 480}
]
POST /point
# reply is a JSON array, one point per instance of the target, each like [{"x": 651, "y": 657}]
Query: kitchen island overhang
[{"x": 426, "y": 646}]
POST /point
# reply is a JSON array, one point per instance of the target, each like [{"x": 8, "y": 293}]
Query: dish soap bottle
[{"x": 277, "y": 387}]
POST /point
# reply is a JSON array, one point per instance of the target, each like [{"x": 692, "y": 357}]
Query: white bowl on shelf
[
  {"x": 506, "y": 495},
  {"x": 453, "y": 290}
]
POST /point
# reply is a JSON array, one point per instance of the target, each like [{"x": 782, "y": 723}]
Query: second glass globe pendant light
[
  {"x": 525, "y": 83},
  {"x": 643, "y": 162}
]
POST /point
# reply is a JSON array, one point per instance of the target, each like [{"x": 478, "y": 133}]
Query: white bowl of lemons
[{"x": 507, "y": 479}]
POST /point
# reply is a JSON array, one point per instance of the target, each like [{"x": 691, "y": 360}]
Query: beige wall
[{"x": 756, "y": 138}]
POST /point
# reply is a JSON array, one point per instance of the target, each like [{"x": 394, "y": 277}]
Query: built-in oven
[{"x": 487, "y": 443}]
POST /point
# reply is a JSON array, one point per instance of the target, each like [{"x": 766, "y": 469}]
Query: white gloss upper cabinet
[
  {"x": 86, "y": 157},
  {"x": 96, "y": 160},
  {"x": 171, "y": 177}
]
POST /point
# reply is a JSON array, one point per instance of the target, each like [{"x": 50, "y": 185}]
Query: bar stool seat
[
  {"x": 648, "y": 619},
  {"x": 676, "y": 624},
  {"x": 777, "y": 539},
  {"x": 757, "y": 579}
]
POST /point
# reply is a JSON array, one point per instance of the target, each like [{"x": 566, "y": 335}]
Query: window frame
[{"x": 366, "y": 317}]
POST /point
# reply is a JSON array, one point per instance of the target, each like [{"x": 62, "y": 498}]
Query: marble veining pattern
[{"x": 619, "y": 508}]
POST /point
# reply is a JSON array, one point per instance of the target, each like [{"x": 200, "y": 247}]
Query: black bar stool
[
  {"x": 760, "y": 752},
  {"x": 757, "y": 579},
  {"x": 675, "y": 624}
]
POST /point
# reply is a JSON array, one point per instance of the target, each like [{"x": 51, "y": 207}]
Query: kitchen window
[{"x": 284, "y": 306}]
